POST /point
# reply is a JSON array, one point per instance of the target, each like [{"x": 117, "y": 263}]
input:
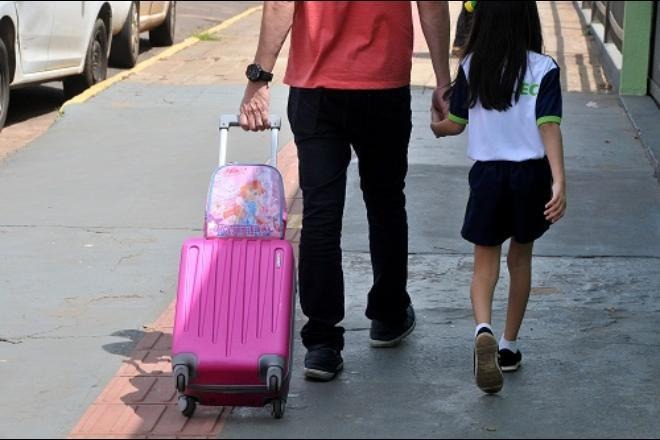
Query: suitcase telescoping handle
[{"x": 227, "y": 121}]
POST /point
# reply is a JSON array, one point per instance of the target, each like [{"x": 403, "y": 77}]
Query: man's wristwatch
[{"x": 255, "y": 73}]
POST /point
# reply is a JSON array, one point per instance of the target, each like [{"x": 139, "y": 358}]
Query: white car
[
  {"x": 130, "y": 18},
  {"x": 43, "y": 41}
]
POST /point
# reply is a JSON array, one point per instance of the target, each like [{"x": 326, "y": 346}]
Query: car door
[
  {"x": 157, "y": 7},
  {"x": 35, "y": 23},
  {"x": 69, "y": 40},
  {"x": 145, "y": 13}
]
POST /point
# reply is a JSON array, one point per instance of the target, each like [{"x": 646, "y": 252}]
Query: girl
[{"x": 510, "y": 94}]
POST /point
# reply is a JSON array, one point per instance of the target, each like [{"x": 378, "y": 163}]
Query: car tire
[
  {"x": 96, "y": 63},
  {"x": 125, "y": 46},
  {"x": 163, "y": 35},
  {"x": 4, "y": 84}
]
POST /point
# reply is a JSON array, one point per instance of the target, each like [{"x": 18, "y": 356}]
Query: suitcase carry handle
[{"x": 227, "y": 121}]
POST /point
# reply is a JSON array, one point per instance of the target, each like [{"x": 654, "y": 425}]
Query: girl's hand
[
  {"x": 446, "y": 127},
  {"x": 556, "y": 207},
  {"x": 436, "y": 128}
]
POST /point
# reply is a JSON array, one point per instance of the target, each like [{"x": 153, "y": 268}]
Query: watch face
[{"x": 253, "y": 71}]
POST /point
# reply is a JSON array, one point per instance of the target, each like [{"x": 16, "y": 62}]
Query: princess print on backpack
[{"x": 245, "y": 201}]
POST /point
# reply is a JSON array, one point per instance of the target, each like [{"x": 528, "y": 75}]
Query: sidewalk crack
[
  {"x": 38, "y": 335},
  {"x": 10, "y": 341},
  {"x": 127, "y": 257}
]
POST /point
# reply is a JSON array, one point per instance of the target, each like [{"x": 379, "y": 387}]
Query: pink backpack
[{"x": 245, "y": 200}]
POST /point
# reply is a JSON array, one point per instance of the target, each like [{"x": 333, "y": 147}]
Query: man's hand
[
  {"x": 439, "y": 106},
  {"x": 254, "y": 108}
]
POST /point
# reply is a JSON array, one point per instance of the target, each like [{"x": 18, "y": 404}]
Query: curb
[{"x": 103, "y": 85}]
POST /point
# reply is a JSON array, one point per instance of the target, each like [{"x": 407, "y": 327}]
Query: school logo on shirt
[{"x": 529, "y": 89}]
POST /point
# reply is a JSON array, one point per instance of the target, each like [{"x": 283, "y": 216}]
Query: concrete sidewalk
[{"x": 96, "y": 210}]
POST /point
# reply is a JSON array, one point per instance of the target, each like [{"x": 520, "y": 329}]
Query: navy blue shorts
[{"x": 507, "y": 199}]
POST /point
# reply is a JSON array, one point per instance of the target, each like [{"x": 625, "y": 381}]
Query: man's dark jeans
[{"x": 325, "y": 124}]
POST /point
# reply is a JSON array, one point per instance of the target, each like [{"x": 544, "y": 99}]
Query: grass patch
[{"x": 206, "y": 36}]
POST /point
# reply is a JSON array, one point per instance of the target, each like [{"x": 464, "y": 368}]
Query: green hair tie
[{"x": 470, "y": 5}]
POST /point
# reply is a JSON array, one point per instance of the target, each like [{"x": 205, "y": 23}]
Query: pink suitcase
[{"x": 233, "y": 327}]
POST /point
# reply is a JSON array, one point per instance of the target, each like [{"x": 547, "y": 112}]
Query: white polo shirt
[{"x": 510, "y": 135}]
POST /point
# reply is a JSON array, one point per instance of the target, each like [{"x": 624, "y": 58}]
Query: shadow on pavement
[
  {"x": 34, "y": 101},
  {"x": 125, "y": 348}
]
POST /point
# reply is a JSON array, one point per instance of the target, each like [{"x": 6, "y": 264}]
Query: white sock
[
  {"x": 509, "y": 345},
  {"x": 482, "y": 325}
]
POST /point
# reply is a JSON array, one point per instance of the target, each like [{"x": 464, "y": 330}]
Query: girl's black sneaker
[
  {"x": 486, "y": 368},
  {"x": 510, "y": 361}
]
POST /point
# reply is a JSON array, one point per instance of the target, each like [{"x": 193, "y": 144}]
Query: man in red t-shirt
[{"x": 349, "y": 73}]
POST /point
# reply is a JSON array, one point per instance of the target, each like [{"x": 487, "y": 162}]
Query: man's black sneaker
[
  {"x": 322, "y": 363},
  {"x": 384, "y": 335},
  {"x": 510, "y": 361},
  {"x": 486, "y": 367}
]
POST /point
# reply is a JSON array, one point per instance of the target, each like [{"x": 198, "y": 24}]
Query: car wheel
[
  {"x": 125, "y": 46},
  {"x": 4, "y": 84},
  {"x": 96, "y": 63},
  {"x": 163, "y": 35}
]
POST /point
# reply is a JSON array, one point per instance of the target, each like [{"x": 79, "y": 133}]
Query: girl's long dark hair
[{"x": 502, "y": 33}]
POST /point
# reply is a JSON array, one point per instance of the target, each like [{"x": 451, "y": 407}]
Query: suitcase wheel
[
  {"x": 181, "y": 373},
  {"x": 274, "y": 379},
  {"x": 279, "y": 406},
  {"x": 181, "y": 383},
  {"x": 187, "y": 405}
]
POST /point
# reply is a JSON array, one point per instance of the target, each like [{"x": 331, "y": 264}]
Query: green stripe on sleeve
[
  {"x": 548, "y": 119},
  {"x": 452, "y": 117}
]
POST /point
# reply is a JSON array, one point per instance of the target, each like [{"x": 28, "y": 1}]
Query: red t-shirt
[{"x": 351, "y": 45}]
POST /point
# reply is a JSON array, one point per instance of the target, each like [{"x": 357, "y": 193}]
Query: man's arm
[
  {"x": 434, "y": 16},
  {"x": 276, "y": 23}
]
